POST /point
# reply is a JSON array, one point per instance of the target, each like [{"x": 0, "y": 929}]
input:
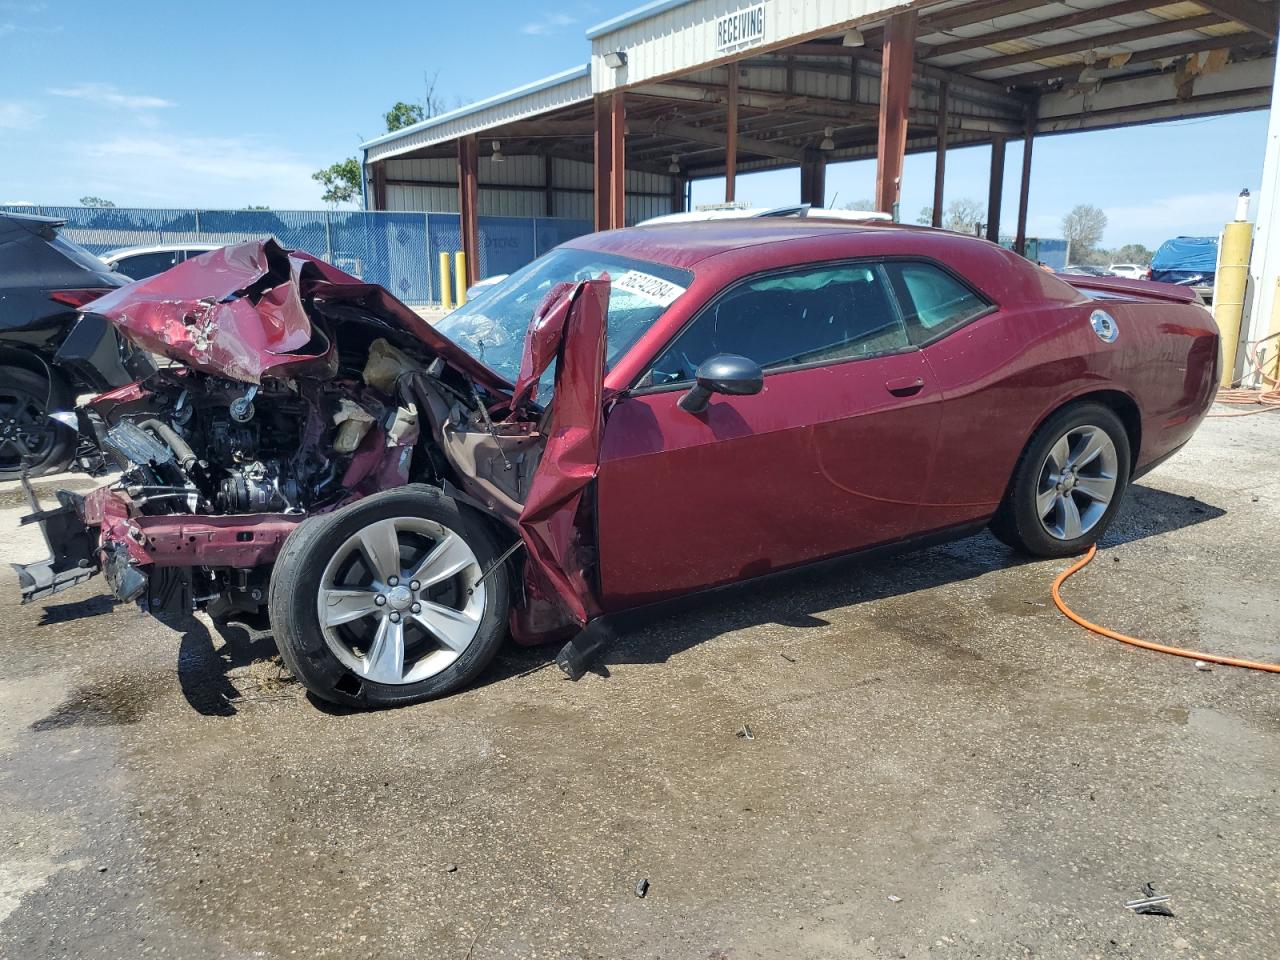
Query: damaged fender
[{"x": 570, "y": 328}]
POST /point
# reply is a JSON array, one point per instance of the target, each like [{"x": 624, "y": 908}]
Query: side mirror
[{"x": 724, "y": 373}]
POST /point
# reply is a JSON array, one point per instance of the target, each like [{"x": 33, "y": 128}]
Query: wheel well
[
  {"x": 27, "y": 360},
  {"x": 1122, "y": 405}
]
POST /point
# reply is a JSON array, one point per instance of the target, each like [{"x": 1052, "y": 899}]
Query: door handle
[{"x": 904, "y": 386}]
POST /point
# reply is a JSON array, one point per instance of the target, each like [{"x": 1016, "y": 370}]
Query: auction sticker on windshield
[{"x": 648, "y": 287}]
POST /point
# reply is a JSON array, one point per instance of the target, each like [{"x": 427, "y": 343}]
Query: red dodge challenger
[{"x": 635, "y": 416}]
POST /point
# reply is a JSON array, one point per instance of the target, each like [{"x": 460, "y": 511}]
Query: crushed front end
[{"x": 288, "y": 390}]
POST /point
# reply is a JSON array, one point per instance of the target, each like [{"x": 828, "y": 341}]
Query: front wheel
[
  {"x": 381, "y": 603},
  {"x": 1068, "y": 484}
]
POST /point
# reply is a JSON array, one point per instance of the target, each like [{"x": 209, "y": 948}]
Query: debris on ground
[
  {"x": 894, "y": 898},
  {"x": 1151, "y": 904},
  {"x": 642, "y": 888},
  {"x": 1203, "y": 665},
  {"x": 787, "y": 658},
  {"x": 745, "y": 733},
  {"x": 451, "y": 868}
]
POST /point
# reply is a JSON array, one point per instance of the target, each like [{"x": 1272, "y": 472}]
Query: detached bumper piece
[{"x": 72, "y": 547}]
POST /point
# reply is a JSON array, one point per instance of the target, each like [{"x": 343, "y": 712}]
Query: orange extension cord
[
  {"x": 1134, "y": 641},
  {"x": 1268, "y": 397}
]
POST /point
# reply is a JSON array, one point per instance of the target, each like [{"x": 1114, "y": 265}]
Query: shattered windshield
[{"x": 492, "y": 326}]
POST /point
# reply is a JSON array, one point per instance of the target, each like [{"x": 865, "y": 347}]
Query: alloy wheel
[
  {"x": 1077, "y": 482},
  {"x": 401, "y": 600}
]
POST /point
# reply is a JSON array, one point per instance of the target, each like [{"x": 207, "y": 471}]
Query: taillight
[{"x": 77, "y": 298}]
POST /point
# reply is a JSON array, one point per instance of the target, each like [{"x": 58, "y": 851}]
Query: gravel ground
[{"x": 941, "y": 765}]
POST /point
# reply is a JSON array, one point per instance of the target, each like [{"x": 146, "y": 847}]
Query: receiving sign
[{"x": 742, "y": 29}]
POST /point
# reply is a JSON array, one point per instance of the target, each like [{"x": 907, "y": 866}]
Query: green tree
[
  {"x": 95, "y": 202},
  {"x": 863, "y": 205},
  {"x": 1083, "y": 228},
  {"x": 964, "y": 216},
  {"x": 925, "y": 218},
  {"x": 1132, "y": 253},
  {"x": 403, "y": 115},
  {"x": 341, "y": 181}
]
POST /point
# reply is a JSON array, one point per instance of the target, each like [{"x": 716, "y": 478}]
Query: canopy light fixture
[
  {"x": 616, "y": 59},
  {"x": 827, "y": 143},
  {"x": 854, "y": 38},
  {"x": 674, "y": 165},
  {"x": 497, "y": 156}
]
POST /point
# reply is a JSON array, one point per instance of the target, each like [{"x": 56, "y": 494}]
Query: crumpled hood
[{"x": 239, "y": 313}]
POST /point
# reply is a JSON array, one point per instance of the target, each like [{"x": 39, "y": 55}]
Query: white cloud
[
  {"x": 108, "y": 96},
  {"x": 553, "y": 23},
  {"x": 8, "y": 28},
  {"x": 173, "y": 170},
  {"x": 1186, "y": 214},
  {"x": 16, "y": 116}
]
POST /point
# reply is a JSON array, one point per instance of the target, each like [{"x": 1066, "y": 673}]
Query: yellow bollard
[
  {"x": 1228, "y": 291},
  {"x": 446, "y": 291},
  {"x": 460, "y": 275}
]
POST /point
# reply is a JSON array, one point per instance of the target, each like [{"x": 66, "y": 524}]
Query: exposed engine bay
[{"x": 292, "y": 390}]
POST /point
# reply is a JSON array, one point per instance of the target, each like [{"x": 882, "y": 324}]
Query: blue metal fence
[{"x": 400, "y": 251}]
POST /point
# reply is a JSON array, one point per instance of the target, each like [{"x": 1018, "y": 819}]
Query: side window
[
  {"x": 933, "y": 301},
  {"x": 817, "y": 314}
]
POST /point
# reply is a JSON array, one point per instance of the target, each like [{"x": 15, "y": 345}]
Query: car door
[
  {"x": 833, "y": 455},
  {"x": 984, "y": 362}
]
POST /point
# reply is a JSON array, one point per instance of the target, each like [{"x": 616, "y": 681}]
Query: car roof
[
  {"x": 158, "y": 248},
  {"x": 686, "y": 244}
]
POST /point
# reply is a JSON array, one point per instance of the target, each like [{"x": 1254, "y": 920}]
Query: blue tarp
[{"x": 1187, "y": 254}]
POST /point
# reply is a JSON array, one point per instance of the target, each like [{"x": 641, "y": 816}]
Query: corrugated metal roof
[{"x": 512, "y": 98}]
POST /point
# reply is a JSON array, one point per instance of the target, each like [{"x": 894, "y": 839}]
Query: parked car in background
[
  {"x": 138, "y": 263},
  {"x": 1189, "y": 262},
  {"x": 637, "y": 415},
  {"x": 47, "y": 350},
  {"x": 1130, "y": 271},
  {"x": 1085, "y": 270}
]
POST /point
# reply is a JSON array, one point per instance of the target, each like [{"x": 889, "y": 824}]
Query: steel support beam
[
  {"x": 468, "y": 203},
  {"x": 1100, "y": 42},
  {"x": 380, "y": 185},
  {"x": 813, "y": 180},
  {"x": 1026, "y": 30},
  {"x": 731, "y": 137},
  {"x": 1024, "y": 188},
  {"x": 618, "y": 169},
  {"x": 940, "y": 164},
  {"x": 895, "y": 101},
  {"x": 995, "y": 192},
  {"x": 603, "y": 161},
  {"x": 1258, "y": 18}
]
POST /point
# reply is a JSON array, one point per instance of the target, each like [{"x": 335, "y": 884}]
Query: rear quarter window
[{"x": 933, "y": 301}]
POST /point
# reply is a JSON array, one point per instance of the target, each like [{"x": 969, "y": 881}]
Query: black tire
[
  {"x": 1018, "y": 522},
  {"x": 296, "y": 582},
  {"x": 25, "y": 428}
]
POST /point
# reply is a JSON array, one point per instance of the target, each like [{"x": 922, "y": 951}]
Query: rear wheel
[
  {"x": 1068, "y": 484},
  {"x": 26, "y": 432},
  {"x": 381, "y": 603}
]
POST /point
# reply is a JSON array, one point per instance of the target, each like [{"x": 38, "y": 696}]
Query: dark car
[
  {"x": 44, "y": 280},
  {"x": 637, "y": 415}
]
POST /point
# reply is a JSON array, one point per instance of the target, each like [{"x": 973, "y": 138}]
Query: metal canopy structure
[{"x": 688, "y": 89}]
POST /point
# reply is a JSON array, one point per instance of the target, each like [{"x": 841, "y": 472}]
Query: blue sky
[{"x": 233, "y": 103}]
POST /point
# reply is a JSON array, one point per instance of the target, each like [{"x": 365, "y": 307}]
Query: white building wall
[
  {"x": 683, "y": 37},
  {"x": 437, "y": 192}
]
